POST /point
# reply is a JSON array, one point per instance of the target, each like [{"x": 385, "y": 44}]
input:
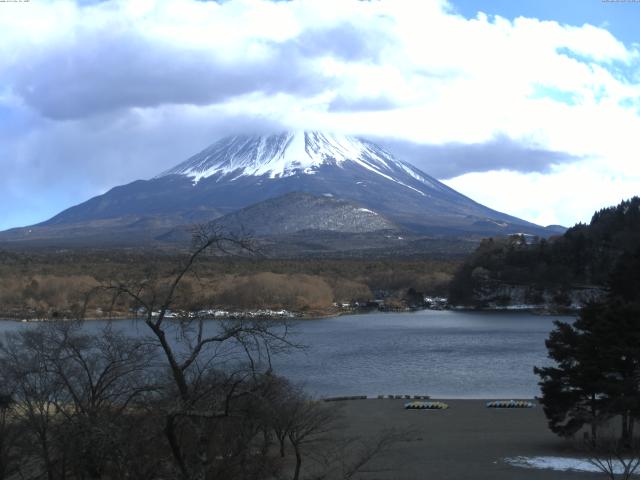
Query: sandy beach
[{"x": 466, "y": 441}]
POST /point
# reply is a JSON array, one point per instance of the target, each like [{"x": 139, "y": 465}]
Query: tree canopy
[{"x": 584, "y": 255}]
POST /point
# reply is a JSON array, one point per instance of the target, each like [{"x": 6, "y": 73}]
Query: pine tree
[
  {"x": 572, "y": 392},
  {"x": 597, "y": 372}
]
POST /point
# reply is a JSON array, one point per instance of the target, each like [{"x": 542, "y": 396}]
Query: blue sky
[
  {"x": 529, "y": 107},
  {"x": 619, "y": 18}
]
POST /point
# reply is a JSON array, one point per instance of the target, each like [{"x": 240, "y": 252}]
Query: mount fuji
[{"x": 345, "y": 184}]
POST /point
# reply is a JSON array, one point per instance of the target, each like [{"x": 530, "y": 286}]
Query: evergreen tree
[
  {"x": 572, "y": 391},
  {"x": 597, "y": 375}
]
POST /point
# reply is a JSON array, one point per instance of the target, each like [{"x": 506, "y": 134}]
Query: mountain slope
[
  {"x": 300, "y": 224},
  {"x": 240, "y": 171},
  {"x": 296, "y": 212}
]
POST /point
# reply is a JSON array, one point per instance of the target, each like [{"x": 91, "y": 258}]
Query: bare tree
[
  {"x": 313, "y": 429},
  {"x": 615, "y": 458},
  {"x": 36, "y": 394},
  {"x": 310, "y": 420},
  {"x": 102, "y": 375},
  {"x": 282, "y": 401},
  {"x": 205, "y": 370},
  {"x": 74, "y": 394},
  {"x": 9, "y": 435}
]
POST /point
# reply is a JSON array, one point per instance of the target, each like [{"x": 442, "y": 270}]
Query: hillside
[{"x": 561, "y": 272}]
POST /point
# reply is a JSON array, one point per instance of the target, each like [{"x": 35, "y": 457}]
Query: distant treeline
[
  {"x": 584, "y": 256},
  {"x": 56, "y": 283}
]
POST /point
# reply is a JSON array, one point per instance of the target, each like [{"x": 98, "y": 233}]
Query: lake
[{"x": 445, "y": 354}]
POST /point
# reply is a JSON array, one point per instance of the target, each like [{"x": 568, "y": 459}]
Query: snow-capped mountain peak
[
  {"x": 238, "y": 172},
  {"x": 285, "y": 154}
]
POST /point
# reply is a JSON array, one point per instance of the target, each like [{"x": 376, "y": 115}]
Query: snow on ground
[{"x": 562, "y": 464}]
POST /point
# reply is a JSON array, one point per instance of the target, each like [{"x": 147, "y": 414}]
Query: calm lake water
[{"x": 446, "y": 354}]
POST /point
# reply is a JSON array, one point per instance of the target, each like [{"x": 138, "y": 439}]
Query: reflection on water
[{"x": 444, "y": 354}]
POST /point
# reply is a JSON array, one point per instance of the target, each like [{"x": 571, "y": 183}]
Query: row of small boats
[
  {"x": 493, "y": 404},
  {"x": 510, "y": 404},
  {"x": 426, "y": 406}
]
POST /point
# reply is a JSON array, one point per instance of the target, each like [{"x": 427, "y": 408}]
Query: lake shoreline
[{"x": 313, "y": 315}]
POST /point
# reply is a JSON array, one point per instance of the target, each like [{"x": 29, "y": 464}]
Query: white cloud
[
  {"x": 393, "y": 68},
  {"x": 570, "y": 194}
]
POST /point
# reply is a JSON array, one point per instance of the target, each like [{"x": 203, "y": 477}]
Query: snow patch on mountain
[
  {"x": 287, "y": 154},
  {"x": 418, "y": 176},
  {"x": 366, "y": 210}
]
